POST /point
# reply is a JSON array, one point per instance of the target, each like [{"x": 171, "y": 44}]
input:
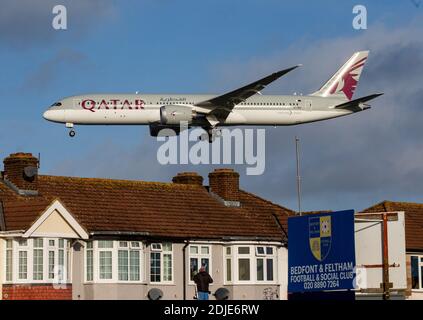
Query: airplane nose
[{"x": 54, "y": 115}]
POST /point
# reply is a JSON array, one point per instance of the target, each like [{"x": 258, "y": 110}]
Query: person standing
[{"x": 202, "y": 279}]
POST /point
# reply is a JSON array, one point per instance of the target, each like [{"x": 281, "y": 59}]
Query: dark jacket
[{"x": 203, "y": 279}]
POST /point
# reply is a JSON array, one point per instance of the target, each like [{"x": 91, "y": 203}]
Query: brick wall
[
  {"x": 188, "y": 178},
  {"x": 14, "y": 166},
  {"x": 225, "y": 183},
  {"x": 36, "y": 292}
]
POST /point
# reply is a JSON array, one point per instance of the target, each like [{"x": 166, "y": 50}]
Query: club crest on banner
[{"x": 320, "y": 235}]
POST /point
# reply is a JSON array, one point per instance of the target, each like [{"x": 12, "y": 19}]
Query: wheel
[{"x": 72, "y": 133}]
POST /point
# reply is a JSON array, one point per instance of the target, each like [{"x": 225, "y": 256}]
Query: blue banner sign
[{"x": 321, "y": 252}]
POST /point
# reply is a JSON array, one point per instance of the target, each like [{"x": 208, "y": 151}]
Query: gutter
[
  {"x": 118, "y": 233},
  {"x": 184, "y": 271},
  {"x": 13, "y": 233}
]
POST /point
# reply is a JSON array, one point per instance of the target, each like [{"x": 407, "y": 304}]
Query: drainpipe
[{"x": 184, "y": 271}]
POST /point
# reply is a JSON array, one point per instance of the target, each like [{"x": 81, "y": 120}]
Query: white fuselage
[{"x": 144, "y": 109}]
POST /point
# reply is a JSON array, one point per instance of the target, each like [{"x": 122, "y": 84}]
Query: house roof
[
  {"x": 155, "y": 208},
  {"x": 413, "y": 220},
  {"x": 21, "y": 214}
]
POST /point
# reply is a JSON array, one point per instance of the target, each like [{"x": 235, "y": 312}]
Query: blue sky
[{"x": 198, "y": 47}]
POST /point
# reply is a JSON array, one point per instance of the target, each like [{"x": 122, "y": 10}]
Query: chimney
[
  {"x": 188, "y": 178},
  {"x": 21, "y": 173},
  {"x": 225, "y": 183}
]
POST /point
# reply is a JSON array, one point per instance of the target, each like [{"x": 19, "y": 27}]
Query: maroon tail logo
[{"x": 349, "y": 80}]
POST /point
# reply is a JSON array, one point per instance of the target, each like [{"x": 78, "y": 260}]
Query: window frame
[
  {"x": 420, "y": 271},
  {"x": 162, "y": 253},
  {"x": 199, "y": 256}
]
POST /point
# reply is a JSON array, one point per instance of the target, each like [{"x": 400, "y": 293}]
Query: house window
[
  {"x": 51, "y": 258},
  {"x": 9, "y": 260},
  {"x": 250, "y": 264},
  {"x": 23, "y": 264},
  {"x": 265, "y": 263},
  {"x": 244, "y": 264},
  {"x": 113, "y": 261},
  {"x": 417, "y": 272},
  {"x": 228, "y": 264},
  {"x": 129, "y": 261},
  {"x": 161, "y": 262},
  {"x": 199, "y": 256},
  {"x": 51, "y": 264},
  {"x": 105, "y": 251},
  {"x": 38, "y": 259},
  {"x": 61, "y": 260},
  {"x": 89, "y": 262}
]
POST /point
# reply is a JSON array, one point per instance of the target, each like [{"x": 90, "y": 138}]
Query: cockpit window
[{"x": 57, "y": 104}]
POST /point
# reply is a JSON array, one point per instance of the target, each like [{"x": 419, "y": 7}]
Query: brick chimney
[
  {"x": 188, "y": 178},
  {"x": 225, "y": 183},
  {"x": 21, "y": 173}
]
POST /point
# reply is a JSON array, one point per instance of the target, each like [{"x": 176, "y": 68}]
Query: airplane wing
[
  {"x": 223, "y": 105},
  {"x": 358, "y": 104}
]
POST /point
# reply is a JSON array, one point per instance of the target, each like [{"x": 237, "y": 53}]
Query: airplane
[{"x": 243, "y": 106}]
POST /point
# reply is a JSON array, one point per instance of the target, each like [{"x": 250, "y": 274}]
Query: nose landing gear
[{"x": 71, "y": 132}]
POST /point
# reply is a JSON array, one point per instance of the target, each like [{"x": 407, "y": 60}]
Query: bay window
[
  {"x": 161, "y": 262},
  {"x": 35, "y": 260},
  {"x": 249, "y": 264}
]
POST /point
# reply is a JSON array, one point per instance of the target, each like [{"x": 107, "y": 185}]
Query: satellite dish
[
  {"x": 155, "y": 294},
  {"x": 222, "y": 294},
  {"x": 30, "y": 171}
]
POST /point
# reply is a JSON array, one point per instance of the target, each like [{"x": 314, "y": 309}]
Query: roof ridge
[
  {"x": 403, "y": 202},
  {"x": 120, "y": 181}
]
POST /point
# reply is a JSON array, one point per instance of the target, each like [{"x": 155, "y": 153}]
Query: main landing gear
[{"x": 72, "y": 132}]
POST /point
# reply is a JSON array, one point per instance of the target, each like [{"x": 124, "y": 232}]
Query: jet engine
[{"x": 173, "y": 115}]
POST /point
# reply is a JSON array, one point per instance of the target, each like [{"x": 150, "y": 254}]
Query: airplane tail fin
[{"x": 344, "y": 82}]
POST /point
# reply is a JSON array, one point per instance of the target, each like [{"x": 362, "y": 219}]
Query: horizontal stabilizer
[{"x": 358, "y": 104}]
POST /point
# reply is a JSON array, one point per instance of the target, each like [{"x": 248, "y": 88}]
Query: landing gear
[{"x": 71, "y": 132}]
